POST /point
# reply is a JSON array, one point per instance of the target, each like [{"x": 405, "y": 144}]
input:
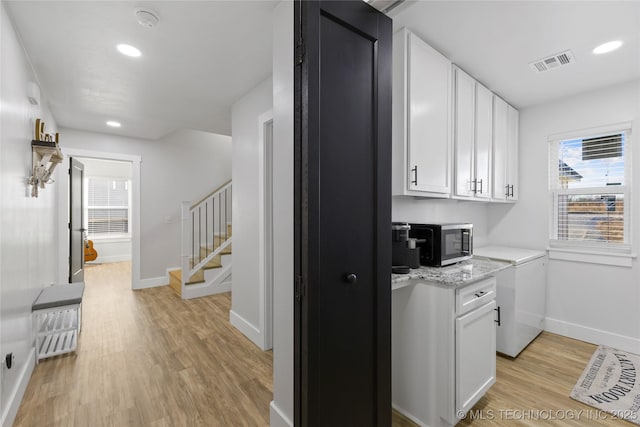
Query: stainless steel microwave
[{"x": 443, "y": 244}]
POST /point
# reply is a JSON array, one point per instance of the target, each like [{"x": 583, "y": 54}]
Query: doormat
[{"x": 610, "y": 382}]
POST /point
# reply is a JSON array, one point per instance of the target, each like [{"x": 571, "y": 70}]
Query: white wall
[
  {"x": 592, "y": 302},
  {"x": 27, "y": 225},
  {"x": 245, "y": 129},
  {"x": 282, "y": 404},
  {"x": 426, "y": 211},
  {"x": 182, "y": 166}
]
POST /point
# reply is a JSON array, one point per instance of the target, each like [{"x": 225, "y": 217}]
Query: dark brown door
[
  {"x": 343, "y": 215},
  {"x": 76, "y": 222}
]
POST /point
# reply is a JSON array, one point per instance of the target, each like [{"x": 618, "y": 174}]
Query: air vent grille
[{"x": 552, "y": 62}]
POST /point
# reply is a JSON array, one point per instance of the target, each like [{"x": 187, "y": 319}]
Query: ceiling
[
  {"x": 204, "y": 55},
  {"x": 496, "y": 41},
  {"x": 200, "y": 58}
]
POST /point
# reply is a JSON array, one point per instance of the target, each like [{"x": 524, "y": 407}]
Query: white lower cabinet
[
  {"x": 443, "y": 349},
  {"x": 475, "y": 355}
]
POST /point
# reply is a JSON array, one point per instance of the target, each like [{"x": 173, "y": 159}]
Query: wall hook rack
[{"x": 46, "y": 156}]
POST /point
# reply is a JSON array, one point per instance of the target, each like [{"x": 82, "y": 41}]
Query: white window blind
[
  {"x": 589, "y": 182},
  {"x": 107, "y": 206}
]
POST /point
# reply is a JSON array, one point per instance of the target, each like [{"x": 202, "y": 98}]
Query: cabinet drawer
[{"x": 475, "y": 295}]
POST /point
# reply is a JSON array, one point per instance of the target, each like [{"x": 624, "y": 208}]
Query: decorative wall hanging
[{"x": 46, "y": 155}]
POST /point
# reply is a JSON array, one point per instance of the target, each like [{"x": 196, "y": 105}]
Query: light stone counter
[{"x": 460, "y": 274}]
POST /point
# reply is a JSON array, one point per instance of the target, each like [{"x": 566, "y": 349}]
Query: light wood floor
[
  {"x": 148, "y": 358},
  {"x": 533, "y": 389}
]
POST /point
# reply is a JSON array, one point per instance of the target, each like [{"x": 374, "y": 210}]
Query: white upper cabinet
[
  {"x": 484, "y": 141},
  {"x": 473, "y": 137},
  {"x": 513, "y": 118},
  {"x": 505, "y": 151},
  {"x": 421, "y": 118},
  {"x": 500, "y": 137}
]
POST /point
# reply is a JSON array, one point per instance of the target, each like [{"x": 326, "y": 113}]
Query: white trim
[
  {"x": 244, "y": 326},
  {"x": 110, "y": 239},
  {"x": 594, "y": 336},
  {"x": 203, "y": 290},
  {"x": 108, "y": 259},
  {"x": 407, "y": 414},
  {"x": 153, "y": 282},
  {"x": 63, "y": 203},
  {"x": 265, "y": 286},
  {"x": 211, "y": 286},
  {"x": 591, "y": 132},
  {"x": 13, "y": 403},
  {"x": 619, "y": 260},
  {"x": 277, "y": 417}
]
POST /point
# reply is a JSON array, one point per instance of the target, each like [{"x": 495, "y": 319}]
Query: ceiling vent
[{"x": 552, "y": 62}]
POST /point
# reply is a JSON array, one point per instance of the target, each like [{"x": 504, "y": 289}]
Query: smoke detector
[
  {"x": 552, "y": 62},
  {"x": 147, "y": 18}
]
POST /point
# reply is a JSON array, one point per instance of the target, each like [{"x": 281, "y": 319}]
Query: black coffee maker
[{"x": 404, "y": 250}]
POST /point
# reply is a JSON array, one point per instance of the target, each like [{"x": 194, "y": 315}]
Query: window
[
  {"x": 589, "y": 180},
  {"x": 107, "y": 206}
]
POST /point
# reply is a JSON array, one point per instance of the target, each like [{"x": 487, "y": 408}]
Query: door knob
[{"x": 351, "y": 278}]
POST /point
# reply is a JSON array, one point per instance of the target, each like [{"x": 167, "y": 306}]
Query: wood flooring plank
[{"x": 148, "y": 358}]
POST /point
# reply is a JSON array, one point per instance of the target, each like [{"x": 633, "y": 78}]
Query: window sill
[
  {"x": 592, "y": 257},
  {"x": 110, "y": 239}
]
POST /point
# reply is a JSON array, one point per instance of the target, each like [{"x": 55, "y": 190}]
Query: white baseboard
[
  {"x": 246, "y": 328},
  {"x": 15, "y": 398},
  {"x": 112, "y": 258},
  {"x": 152, "y": 282},
  {"x": 594, "y": 336},
  {"x": 277, "y": 418},
  {"x": 406, "y": 414},
  {"x": 204, "y": 289}
]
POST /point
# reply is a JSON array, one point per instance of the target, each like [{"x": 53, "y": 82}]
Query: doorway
[
  {"x": 106, "y": 210},
  {"x": 265, "y": 123},
  {"x": 107, "y": 215}
]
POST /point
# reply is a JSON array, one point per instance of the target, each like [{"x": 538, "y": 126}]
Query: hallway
[{"x": 148, "y": 358}]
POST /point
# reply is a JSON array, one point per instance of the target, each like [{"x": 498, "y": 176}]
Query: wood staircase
[
  {"x": 175, "y": 276},
  {"x": 206, "y": 246}
]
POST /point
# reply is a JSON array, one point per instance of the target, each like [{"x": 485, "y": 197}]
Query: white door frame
[
  {"x": 63, "y": 210},
  {"x": 265, "y": 229}
]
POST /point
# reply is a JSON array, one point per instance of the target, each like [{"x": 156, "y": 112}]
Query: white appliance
[{"x": 520, "y": 296}]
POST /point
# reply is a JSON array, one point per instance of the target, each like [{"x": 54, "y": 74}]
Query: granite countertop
[{"x": 460, "y": 274}]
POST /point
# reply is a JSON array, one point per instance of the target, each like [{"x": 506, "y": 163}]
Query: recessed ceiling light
[
  {"x": 113, "y": 124},
  {"x": 129, "y": 50},
  {"x": 607, "y": 47}
]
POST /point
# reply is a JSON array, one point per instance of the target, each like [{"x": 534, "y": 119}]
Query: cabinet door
[
  {"x": 483, "y": 141},
  {"x": 513, "y": 117},
  {"x": 428, "y": 141},
  {"x": 475, "y": 356},
  {"x": 464, "y": 133},
  {"x": 500, "y": 137}
]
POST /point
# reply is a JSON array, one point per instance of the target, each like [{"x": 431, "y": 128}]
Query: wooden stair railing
[{"x": 206, "y": 232}]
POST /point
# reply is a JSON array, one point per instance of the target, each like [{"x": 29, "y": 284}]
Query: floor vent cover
[{"x": 552, "y": 62}]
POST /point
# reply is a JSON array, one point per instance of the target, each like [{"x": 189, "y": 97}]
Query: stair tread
[{"x": 194, "y": 280}]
